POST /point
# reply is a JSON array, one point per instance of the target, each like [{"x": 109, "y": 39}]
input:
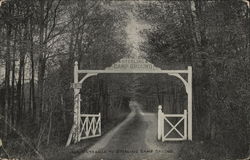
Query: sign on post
[{"x": 76, "y": 85}]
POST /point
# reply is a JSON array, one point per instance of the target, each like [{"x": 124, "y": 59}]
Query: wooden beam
[
  {"x": 133, "y": 71},
  {"x": 190, "y": 137},
  {"x": 160, "y": 122}
]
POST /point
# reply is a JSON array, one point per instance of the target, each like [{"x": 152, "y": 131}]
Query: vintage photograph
[{"x": 124, "y": 80}]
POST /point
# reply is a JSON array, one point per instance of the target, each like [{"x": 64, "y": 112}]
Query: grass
[{"x": 203, "y": 151}]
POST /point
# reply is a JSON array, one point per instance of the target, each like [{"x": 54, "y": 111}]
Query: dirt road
[{"x": 134, "y": 139}]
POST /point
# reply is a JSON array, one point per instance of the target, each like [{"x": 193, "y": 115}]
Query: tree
[{"x": 210, "y": 36}]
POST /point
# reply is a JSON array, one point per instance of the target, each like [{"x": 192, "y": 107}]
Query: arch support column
[
  {"x": 77, "y": 85},
  {"x": 188, "y": 87},
  {"x": 189, "y": 92},
  {"x": 76, "y": 122}
]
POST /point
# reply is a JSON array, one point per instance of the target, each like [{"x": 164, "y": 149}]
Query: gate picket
[{"x": 89, "y": 126}]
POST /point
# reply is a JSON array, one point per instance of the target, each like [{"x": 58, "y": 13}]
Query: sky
[{"x": 133, "y": 29}]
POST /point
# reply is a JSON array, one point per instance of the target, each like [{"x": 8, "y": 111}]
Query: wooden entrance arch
[{"x": 125, "y": 65}]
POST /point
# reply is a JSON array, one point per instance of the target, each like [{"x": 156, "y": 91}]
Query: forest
[
  {"x": 40, "y": 40},
  {"x": 213, "y": 38}
]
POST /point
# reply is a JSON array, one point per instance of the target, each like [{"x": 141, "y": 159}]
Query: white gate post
[
  {"x": 79, "y": 118},
  {"x": 160, "y": 122},
  {"x": 100, "y": 124},
  {"x": 76, "y": 104},
  {"x": 189, "y": 91},
  {"x": 185, "y": 124}
]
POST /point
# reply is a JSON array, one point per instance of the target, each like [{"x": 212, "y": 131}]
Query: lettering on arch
[{"x": 127, "y": 64}]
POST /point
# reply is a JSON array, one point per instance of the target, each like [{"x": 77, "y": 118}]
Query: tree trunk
[
  {"x": 19, "y": 88},
  {"x": 41, "y": 61},
  {"x": 7, "y": 81},
  {"x": 158, "y": 94},
  {"x": 195, "y": 20},
  {"x": 41, "y": 74},
  {"x": 32, "y": 81},
  {"x": 13, "y": 108},
  {"x": 20, "y": 83},
  {"x": 50, "y": 126},
  {"x": 23, "y": 88},
  {"x": 63, "y": 110}
]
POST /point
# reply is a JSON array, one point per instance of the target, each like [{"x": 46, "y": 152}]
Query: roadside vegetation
[{"x": 39, "y": 42}]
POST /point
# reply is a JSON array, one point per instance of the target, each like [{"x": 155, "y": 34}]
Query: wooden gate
[
  {"x": 84, "y": 126},
  {"x": 172, "y": 127},
  {"x": 90, "y": 126}
]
